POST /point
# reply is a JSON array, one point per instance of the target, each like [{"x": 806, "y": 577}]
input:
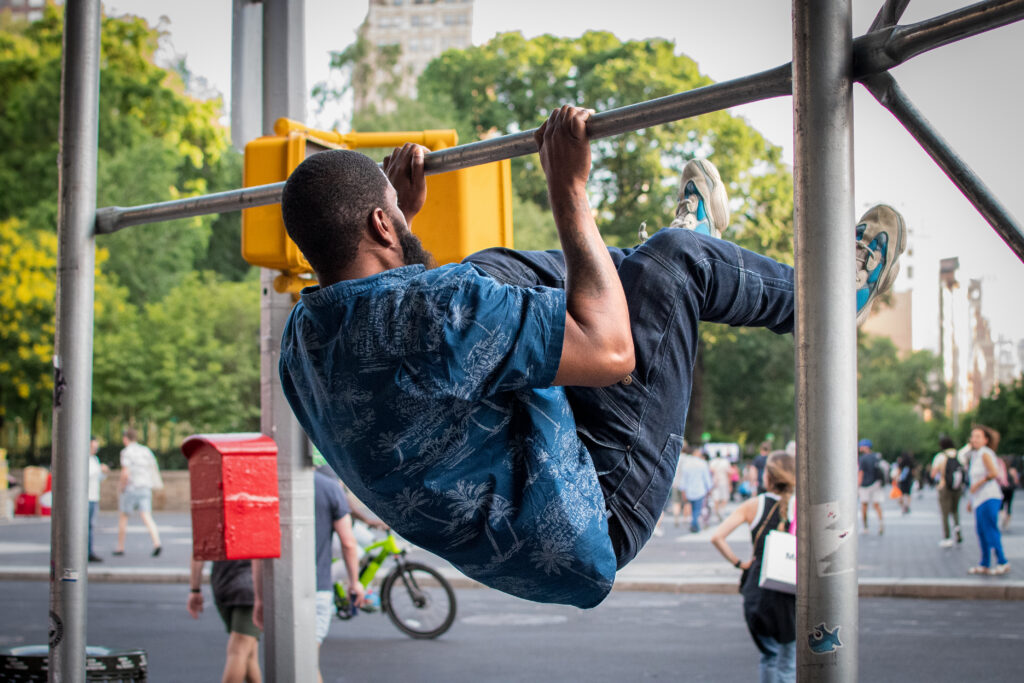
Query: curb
[{"x": 928, "y": 589}]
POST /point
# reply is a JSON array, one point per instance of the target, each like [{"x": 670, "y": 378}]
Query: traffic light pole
[
  {"x": 72, "y": 356},
  {"x": 289, "y": 582}
]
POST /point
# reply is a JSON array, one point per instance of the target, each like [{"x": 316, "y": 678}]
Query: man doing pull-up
[{"x": 521, "y": 413}]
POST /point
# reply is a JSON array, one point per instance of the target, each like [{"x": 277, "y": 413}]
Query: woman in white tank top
[{"x": 986, "y": 496}]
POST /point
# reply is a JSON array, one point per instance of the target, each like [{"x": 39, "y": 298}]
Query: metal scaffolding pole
[
  {"x": 889, "y": 94},
  {"x": 826, "y": 342},
  {"x": 289, "y": 582},
  {"x": 72, "y": 359}
]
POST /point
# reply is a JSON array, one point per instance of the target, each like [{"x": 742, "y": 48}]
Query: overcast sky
[{"x": 971, "y": 92}]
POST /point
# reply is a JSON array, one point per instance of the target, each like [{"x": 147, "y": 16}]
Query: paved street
[
  {"x": 631, "y": 637},
  {"x": 686, "y": 621}
]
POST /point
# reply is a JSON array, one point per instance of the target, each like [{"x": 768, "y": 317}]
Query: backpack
[
  {"x": 954, "y": 474},
  {"x": 881, "y": 470}
]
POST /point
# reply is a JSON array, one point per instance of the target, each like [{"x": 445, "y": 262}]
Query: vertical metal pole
[
  {"x": 246, "y": 71},
  {"x": 826, "y": 342},
  {"x": 289, "y": 583},
  {"x": 72, "y": 360}
]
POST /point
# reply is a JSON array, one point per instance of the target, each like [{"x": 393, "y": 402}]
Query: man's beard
[{"x": 413, "y": 251}]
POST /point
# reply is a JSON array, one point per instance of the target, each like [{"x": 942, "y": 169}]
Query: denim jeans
[
  {"x": 986, "y": 520},
  {"x": 634, "y": 428},
  {"x": 93, "y": 506},
  {"x": 696, "y": 511},
  {"x": 779, "y": 666}
]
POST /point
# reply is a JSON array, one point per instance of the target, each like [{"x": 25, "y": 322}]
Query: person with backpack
[
  {"x": 871, "y": 478},
  {"x": 949, "y": 473}
]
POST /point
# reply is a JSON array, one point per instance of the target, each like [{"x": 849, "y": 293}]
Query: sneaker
[
  {"x": 979, "y": 570},
  {"x": 946, "y": 543},
  {"x": 95, "y": 558},
  {"x": 1000, "y": 569},
  {"x": 703, "y": 202},
  {"x": 881, "y": 238}
]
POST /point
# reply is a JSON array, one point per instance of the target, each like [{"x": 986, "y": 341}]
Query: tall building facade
[
  {"x": 420, "y": 30},
  {"x": 971, "y": 366},
  {"x": 31, "y": 10}
]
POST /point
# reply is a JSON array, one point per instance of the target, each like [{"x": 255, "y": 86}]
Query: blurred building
[
  {"x": 969, "y": 358},
  {"x": 420, "y": 30},
  {"x": 32, "y": 10}
]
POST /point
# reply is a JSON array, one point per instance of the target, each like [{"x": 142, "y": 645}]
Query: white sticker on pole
[{"x": 833, "y": 554}]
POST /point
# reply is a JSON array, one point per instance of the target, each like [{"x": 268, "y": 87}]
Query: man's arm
[
  {"x": 350, "y": 556},
  {"x": 195, "y": 596},
  {"x": 257, "y": 593},
  {"x": 598, "y": 345}
]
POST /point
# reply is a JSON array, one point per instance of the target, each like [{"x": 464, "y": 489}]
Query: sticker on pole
[
  {"x": 833, "y": 552},
  {"x": 823, "y": 641},
  {"x": 56, "y": 629}
]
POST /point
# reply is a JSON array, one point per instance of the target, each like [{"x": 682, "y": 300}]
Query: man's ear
[{"x": 380, "y": 228}]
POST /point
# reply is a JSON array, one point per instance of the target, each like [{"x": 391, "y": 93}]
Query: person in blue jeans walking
[
  {"x": 984, "y": 474},
  {"x": 520, "y": 414}
]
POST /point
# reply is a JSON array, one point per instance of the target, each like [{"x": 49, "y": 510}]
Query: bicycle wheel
[{"x": 419, "y": 601}]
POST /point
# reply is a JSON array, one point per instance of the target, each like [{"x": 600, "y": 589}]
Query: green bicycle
[{"x": 418, "y": 600}]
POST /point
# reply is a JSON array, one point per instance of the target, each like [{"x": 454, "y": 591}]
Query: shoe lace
[
  {"x": 867, "y": 260},
  {"x": 686, "y": 213}
]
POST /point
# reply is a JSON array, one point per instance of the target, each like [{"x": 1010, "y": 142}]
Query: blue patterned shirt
[{"x": 428, "y": 392}]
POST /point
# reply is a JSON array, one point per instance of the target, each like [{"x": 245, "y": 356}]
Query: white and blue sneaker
[
  {"x": 881, "y": 238},
  {"x": 703, "y": 202}
]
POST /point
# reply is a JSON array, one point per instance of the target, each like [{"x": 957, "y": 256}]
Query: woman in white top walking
[{"x": 986, "y": 497}]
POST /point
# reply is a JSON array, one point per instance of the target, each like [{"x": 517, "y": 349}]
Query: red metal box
[{"x": 235, "y": 507}]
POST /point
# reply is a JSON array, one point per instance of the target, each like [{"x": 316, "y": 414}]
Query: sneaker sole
[
  {"x": 708, "y": 181},
  {"x": 877, "y": 220}
]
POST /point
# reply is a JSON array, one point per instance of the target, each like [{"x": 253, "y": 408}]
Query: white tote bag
[{"x": 778, "y": 563}]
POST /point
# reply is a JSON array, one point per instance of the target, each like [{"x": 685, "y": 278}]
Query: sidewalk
[{"x": 905, "y": 562}]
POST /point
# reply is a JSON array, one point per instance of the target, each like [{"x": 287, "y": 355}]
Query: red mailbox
[{"x": 235, "y": 508}]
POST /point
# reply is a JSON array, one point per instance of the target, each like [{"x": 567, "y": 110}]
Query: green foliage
[
  {"x": 893, "y": 392},
  {"x": 748, "y": 389},
  {"x": 511, "y": 84},
  {"x": 156, "y": 142},
  {"x": 1004, "y": 412},
  {"x": 894, "y": 427}
]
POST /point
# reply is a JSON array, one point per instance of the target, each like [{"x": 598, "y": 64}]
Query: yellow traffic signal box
[{"x": 466, "y": 210}]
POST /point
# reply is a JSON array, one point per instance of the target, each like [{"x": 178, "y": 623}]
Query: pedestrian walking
[
  {"x": 870, "y": 480},
  {"x": 139, "y": 476},
  {"x": 986, "y": 498},
  {"x": 695, "y": 484},
  {"x": 948, "y": 471},
  {"x": 97, "y": 473},
  {"x": 770, "y": 614},
  {"x": 232, "y": 582},
  {"x": 1012, "y": 482}
]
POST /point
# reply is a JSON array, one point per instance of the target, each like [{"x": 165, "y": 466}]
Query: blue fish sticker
[{"x": 822, "y": 641}]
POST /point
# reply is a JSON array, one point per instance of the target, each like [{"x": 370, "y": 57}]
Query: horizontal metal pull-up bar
[{"x": 874, "y": 53}]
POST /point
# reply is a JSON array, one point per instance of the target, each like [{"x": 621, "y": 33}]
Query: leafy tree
[
  {"x": 893, "y": 392},
  {"x": 1004, "y": 412},
  {"x": 28, "y": 263},
  {"x": 155, "y": 143},
  {"x": 747, "y": 383},
  {"x": 511, "y": 84},
  {"x": 202, "y": 354}
]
